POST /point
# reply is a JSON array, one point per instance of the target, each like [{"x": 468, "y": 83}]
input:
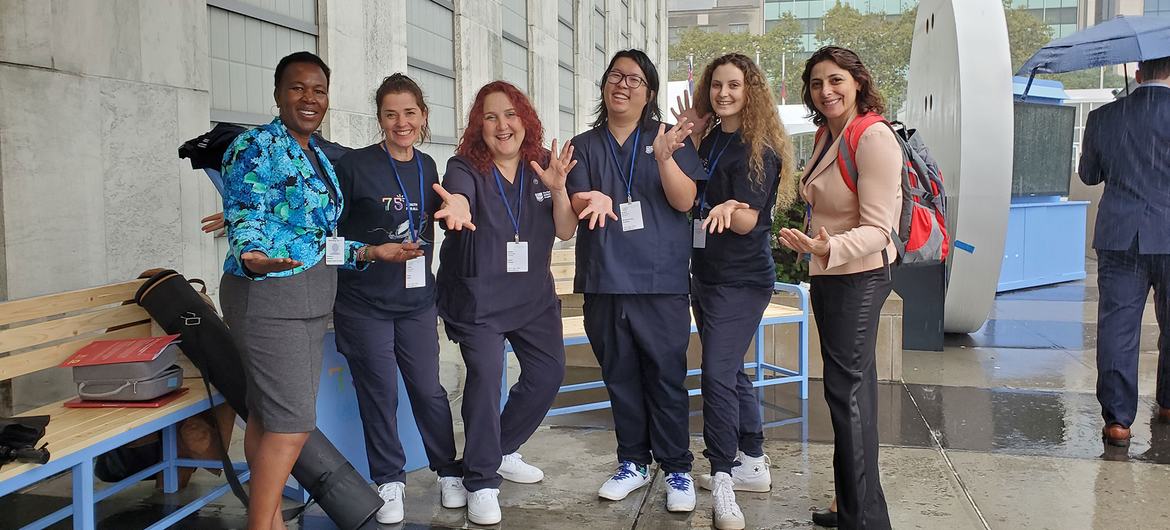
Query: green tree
[
  {"x": 776, "y": 50},
  {"x": 882, "y": 41},
  {"x": 1027, "y": 34}
]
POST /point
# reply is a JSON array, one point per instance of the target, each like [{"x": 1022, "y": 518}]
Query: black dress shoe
[{"x": 825, "y": 518}]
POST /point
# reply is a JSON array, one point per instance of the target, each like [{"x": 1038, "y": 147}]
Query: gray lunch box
[{"x": 135, "y": 381}]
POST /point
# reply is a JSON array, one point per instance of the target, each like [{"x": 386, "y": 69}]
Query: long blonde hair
[{"x": 760, "y": 124}]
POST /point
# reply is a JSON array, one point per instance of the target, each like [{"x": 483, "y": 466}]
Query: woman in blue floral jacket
[{"x": 281, "y": 205}]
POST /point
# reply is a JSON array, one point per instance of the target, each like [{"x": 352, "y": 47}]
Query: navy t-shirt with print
[
  {"x": 375, "y": 212},
  {"x": 475, "y": 286},
  {"x": 653, "y": 260},
  {"x": 729, "y": 258}
]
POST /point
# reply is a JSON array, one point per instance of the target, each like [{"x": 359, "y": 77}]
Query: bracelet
[{"x": 364, "y": 254}]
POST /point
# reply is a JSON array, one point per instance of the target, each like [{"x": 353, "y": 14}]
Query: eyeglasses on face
[{"x": 632, "y": 81}]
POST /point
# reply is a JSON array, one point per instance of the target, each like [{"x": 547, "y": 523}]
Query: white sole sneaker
[
  {"x": 483, "y": 507},
  {"x": 451, "y": 492},
  {"x": 624, "y": 481},
  {"x": 514, "y": 469}
]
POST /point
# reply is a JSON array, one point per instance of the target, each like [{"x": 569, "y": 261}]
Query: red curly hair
[{"x": 472, "y": 146}]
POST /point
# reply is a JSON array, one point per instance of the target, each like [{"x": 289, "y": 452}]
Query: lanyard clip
[
  {"x": 629, "y": 197},
  {"x": 517, "y": 237}
]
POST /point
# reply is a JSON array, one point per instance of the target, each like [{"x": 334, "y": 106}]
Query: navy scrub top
[
  {"x": 376, "y": 212},
  {"x": 653, "y": 260},
  {"x": 730, "y": 258},
  {"x": 474, "y": 285}
]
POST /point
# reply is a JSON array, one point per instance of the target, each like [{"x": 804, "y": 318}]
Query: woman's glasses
[{"x": 632, "y": 81}]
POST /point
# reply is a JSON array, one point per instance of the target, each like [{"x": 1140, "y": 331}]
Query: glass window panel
[
  {"x": 514, "y": 18},
  {"x": 515, "y": 67}
]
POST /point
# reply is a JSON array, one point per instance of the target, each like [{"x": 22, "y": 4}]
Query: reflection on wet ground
[{"x": 1000, "y": 430}]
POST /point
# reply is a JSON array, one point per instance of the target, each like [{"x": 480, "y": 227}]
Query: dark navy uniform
[
  {"x": 482, "y": 304},
  {"x": 635, "y": 285},
  {"x": 382, "y": 326},
  {"x": 732, "y": 278}
]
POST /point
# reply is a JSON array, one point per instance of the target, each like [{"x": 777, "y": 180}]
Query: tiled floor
[{"x": 999, "y": 430}]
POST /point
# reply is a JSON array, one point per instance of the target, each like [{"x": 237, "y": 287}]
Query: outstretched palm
[{"x": 557, "y": 172}]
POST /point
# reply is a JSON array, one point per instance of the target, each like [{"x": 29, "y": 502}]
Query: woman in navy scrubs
[
  {"x": 385, "y": 316},
  {"x": 503, "y": 199},
  {"x": 633, "y": 272},
  {"x": 747, "y": 153}
]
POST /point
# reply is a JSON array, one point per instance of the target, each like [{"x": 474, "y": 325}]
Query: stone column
[{"x": 478, "y": 52}]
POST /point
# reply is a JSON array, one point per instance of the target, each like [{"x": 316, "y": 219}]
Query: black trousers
[
  {"x": 540, "y": 348},
  {"x": 847, "y": 308},
  {"x": 377, "y": 350},
  {"x": 1125, "y": 279},
  {"x": 728, "y": 317},
  {"x": 640, "y": 341}
]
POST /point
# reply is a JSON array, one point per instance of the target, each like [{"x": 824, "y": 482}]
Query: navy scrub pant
[
  {"x": 376, "y": 350},
  {"x": 728, "y": 317},
  {"x": 540, "y": 348},
  {"x": 1124, "y": 279},
  {"x": 640, "y": 341},
  {"x": 847, "y": 308}
]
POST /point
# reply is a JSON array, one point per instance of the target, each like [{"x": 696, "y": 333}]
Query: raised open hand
[
  {"x": 557, "y": 172},
  {"x": 685, "y": 110},
  {"x": 667, "y": 142}
]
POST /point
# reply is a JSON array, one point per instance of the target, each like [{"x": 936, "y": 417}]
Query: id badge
[
  {"x": 631, "y": 213},
  {"x": 517, "y": 256},
  {"x": 699, "y": 238},
  {"x": 416, "y": 272},
  {"x": 335, "y": 250}
]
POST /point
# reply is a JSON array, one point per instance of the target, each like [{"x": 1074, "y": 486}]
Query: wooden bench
[{"x": 42, "y": 332}]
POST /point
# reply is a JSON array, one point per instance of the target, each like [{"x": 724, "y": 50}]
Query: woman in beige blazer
[{"x": 851, "y": 251}]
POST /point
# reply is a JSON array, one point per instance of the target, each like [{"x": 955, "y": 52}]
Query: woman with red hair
[{"x": 504, "y": 199}]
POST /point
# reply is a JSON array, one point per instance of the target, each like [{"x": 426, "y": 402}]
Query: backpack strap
[{"x": 847, "y": 149}]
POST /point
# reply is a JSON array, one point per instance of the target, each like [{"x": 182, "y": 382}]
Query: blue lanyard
[
  {"x": 633, "y": 159},
  {"x": 414, "y": 231},
  {"x": 519, "y": 203},
  {"x": 714, "y": 162}
]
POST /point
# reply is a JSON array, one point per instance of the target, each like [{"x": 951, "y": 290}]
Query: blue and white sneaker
[
  {"x": 680, "y": 492},
  {"x": 628, "y": 477}
]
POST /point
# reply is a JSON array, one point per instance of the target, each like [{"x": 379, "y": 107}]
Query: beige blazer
[{"x": 858, "y": 223}]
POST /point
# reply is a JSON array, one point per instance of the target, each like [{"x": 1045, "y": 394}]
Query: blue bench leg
[
  {"x": 170, "y": 444},
  {"x": 802, "y": 345},
  {"x": 759, "y": 355},
  {"x": 83, "y": 499}
]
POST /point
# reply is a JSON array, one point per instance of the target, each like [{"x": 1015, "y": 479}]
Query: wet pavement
[{"x": 999, "y": 430}]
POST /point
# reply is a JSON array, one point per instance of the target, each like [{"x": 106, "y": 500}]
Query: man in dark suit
[{"x": 1127, "y": 146}]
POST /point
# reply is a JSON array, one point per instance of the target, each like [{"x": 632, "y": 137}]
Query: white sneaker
[
  {"x": 483, "y": 506},
  {"x": 514, "y": 469},
  {"x": 752, "y": 474},
  {"x": 628, "y": 477},
  {"x": 391, "y": 511},
  {"x": 680, "y": 492},
  {"x": 727, "y": 513},
  {"x": 452, "y": 492}
]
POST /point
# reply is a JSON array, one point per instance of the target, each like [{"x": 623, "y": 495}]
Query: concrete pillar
[
  {"x": 543, "y": 65},
  {"x": 478, "y": 52}
]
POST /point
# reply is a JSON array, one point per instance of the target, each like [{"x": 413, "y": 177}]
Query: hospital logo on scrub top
[
  {"x": 542, "y": 195},
  {"x": 649, "y": 149}
]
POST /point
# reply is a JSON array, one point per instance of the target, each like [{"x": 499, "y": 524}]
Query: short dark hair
[
  {"x": 1155, "y": 68},
  {"x": 868, "y": 98},
  {"x": 298, "y": 57},
  {"x": 398, "y": 83},
  {"x": 647, "y": 66}
]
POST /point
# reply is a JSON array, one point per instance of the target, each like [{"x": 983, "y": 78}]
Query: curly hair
[
  {"x": 760, "y": 124},
  {"x": 868, "y": 98},
  {"x": 471, "y": 144},
  {"x": 400, "y": 83}
]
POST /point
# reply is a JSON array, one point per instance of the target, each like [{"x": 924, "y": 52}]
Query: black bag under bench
[{"x": 321, "y": 469}]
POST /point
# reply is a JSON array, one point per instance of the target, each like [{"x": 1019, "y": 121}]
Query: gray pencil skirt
[{"x": 281, "y": 354}]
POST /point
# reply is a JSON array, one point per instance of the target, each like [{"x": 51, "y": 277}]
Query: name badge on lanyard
[
  {"x": 631, "y": 210},
  {"x": 416, "y": 272},
  {"x": 699, "y": 236},
  {"x": 335, "y": 250},
  {"x": 516, "y": 251},
  {"x": 416, "y": 268}
]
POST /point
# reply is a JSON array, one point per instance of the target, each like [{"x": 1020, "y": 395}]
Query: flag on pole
[{"x": 691, "y": 73}]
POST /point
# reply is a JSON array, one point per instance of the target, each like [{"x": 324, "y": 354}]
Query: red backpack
[{"x": 921, "y": 234}]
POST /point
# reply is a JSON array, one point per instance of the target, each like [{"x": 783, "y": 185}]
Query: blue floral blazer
[{"x": 274, "y": 203}]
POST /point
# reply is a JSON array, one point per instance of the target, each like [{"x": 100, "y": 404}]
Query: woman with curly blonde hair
[{"x": 748, "y": 158}]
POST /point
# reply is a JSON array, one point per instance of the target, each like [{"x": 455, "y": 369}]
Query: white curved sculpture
[{"x": 959, "y": 97}]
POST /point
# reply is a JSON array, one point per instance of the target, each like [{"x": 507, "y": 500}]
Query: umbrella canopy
[{"x": 1118, "y": 41}]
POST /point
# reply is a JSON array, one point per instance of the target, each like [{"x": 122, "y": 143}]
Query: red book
[
  {"x": 78, "y": 403},
  {"x": 119, "y": 351}
]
